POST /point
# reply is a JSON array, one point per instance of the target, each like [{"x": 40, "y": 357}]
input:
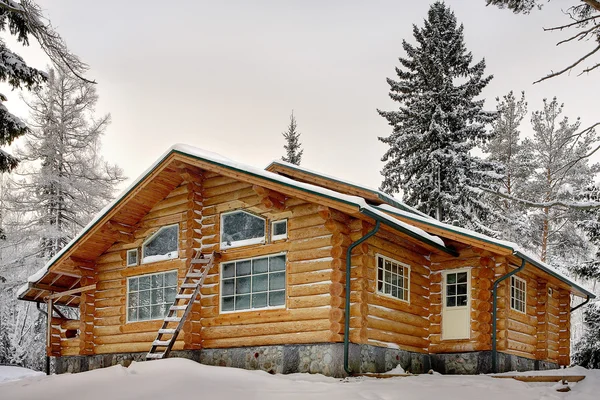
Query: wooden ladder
[{"x": 162, "y": 345}]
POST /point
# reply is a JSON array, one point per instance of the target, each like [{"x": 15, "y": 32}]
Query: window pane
[
  {"x": 451, "y": 278},
  {"x": 229, "y": 270},
  {"x": 132, "y": 257},
  {"x": 132, "y": 314},
  {"x": 242, "y": 302},
  {"x": 144, "y": 298},
  {"x": 461, "y": 301},
  {"x": 462, "y": 288},
  {"x": 277, "y": 263},
  {"x": 388, "y": 266},
  {"x": 276, "y": 298},
  {"x": 134, "y": 300},
  {"x": 395, "y": 291},
  {"x": 144, "y": 282},
  {"x": 259, "y": 300},
  {"x": 461, "y": 277},
  {"x": 242, "y": 285},
  {"x": 158, "y": 311},
  {"x": 228, "y": 287},
  {"x": 451, "y": 301},
  {"x": 260, "y": 265},
  {"x": 171, "y": 278},
  {"x": 156, "y": 296},
  {"x": 279, "y": 228},
  {"x": 243, "y": 268},
  {"x": 451, "y": 290},
  {"x": 157, "y": 281},
  {"x": 144, "y": 313},
  {"x": 133, "y": 284},
  {"x": 163, "y": 243},
  {"x": 259, "y": 283},
  {"x": 240, "y": 226},
  {"x": 277, "y": 281},
  {"x": 227, "y": 304},
  {"x": 170, "y": 294}
]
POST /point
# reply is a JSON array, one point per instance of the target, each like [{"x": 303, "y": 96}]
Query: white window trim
[
  {"x": 378, "y": 255},
  {"x": 516, "y": 278},
  {"x": 164, "y": 256},
  {"x": 468, "y": 306},
  {"x": 137, "y": 257},
  {"x": 281, "y": 307},
  {"x": 241, "y": 243},
  {"x": 282, "y": 236},
  {"x": 127, "y": 321}
]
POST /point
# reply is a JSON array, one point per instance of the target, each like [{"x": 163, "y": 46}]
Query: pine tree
[
  {"x": 64, "y": 181},
  {"x": 505, "y": 147},
  {"x": 438, "y": 123},
  {"x": 293, "y": 146},
  {"x": 24, "y": 20},
  {"x": 560, "y": 169}
]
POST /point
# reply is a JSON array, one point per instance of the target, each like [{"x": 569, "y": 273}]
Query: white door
[{"x": 456, "y": 308}]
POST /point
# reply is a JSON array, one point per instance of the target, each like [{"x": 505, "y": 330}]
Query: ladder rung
[
  {"x": 166, "y": 331},
  {"x": 161, "y": 343},
  {"x": 200, "y": 260},
  {"x": 176, "y": 308},
  {"x": 155, "y": 355},
  {"x": 183, "y": 296},
  {"x": 194, "y": 275},
  {"x": 172, "y": 319},
  {"x": 188, "y": 286}
]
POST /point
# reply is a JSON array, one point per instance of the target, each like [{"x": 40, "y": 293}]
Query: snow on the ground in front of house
[
  {"x": 397, "y": 370},
  {"x": 10, "y": 373},
  {"x": 180, "y": 378}
]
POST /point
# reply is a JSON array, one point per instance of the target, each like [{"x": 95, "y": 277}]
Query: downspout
[
  {"x": 495, "y": 310},
  {"x": 348, "y": 282},
  {"x": 587, "y": 300}
]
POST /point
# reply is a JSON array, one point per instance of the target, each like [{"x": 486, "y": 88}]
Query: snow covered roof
[
  {"x": 216, "y": 159},
  {"x": 378, "y": 213},
  {"x": 515, "y": 248}
]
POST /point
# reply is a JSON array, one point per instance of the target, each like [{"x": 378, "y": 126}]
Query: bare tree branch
[{"x": 573, "y": 65}]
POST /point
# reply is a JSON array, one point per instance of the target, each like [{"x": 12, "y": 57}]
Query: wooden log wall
[
  {"x": 392, "y": 322},
  {"x": 313, "y": 250},
  {"x": 112, "y": 333},
  {"x": 482, "y": 266}
]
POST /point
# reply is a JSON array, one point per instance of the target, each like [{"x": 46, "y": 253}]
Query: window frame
[
  {"x": 445, "y": 287},
  {"x": 127, "y": 321},
  {"x": 515, "y": 278},
  {"x": 247, "y": 242},
  {"x": 148, "y": 239},
  {"x": 381, "y": 293},
  {"x": 137, "y": 257},
  {"x": 284, "y": 236},
  {"x": 285, "y": 289}
]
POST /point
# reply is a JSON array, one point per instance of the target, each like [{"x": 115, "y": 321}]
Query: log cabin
[{"x": 308, "y": 273}]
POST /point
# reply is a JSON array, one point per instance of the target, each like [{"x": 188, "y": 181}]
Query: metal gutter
[
  {"x": 495, "y": 311},
  {"x": 587, "y": 300},
  {"x": 348, "y": 282}
]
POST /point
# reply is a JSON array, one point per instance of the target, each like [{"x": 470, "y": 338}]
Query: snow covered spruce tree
[
  {"x": 24, "y": 20},
  {"x": 64, "y": 180},
  {"x": 438, "y": 123},
  {"x": 505, "y": 147},
  {"x": 292, "y": 145}
]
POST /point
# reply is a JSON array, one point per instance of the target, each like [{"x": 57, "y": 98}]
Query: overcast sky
[{"x": 224, "y": 76}]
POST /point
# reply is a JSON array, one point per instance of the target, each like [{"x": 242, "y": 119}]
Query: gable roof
[{"x": 390, "y": 212}]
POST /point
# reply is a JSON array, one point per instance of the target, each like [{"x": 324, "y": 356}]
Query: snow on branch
[{"x": 573, "y": 205}]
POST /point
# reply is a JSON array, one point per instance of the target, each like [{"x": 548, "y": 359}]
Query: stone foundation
[{"x": 324, "y": 358}]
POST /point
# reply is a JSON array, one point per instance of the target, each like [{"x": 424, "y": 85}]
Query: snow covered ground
[
  {"x": 165, "y": 379},
  {"x": 9, "y": 373}
]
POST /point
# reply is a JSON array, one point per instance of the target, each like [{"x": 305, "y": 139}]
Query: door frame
[{"x": 468, "y": 306}]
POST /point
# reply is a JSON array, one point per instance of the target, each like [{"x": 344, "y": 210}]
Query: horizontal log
[
  {"x": 258, "y": 317},
  {"x": 396, "y": 327},
  {"x": 324, "y": 336},
  {"x": 131, "y": 347},
  {"x": 313, "y": 289},
  {"x": 398, "y": 338},
  {"x": 261, "y": 329}
]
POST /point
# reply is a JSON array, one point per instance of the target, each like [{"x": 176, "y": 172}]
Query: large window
[
  {"x": 518, "y": 292},
  {"x": 253, "y": 284},
  {"x": 239, "y": 228},
  {"x": 163, "y": 245},
  {"x": 150, "y": 296},
  {"x": 393, "y": 278}
]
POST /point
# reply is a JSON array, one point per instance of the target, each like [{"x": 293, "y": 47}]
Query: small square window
[
  {"x": 279, "y": 230},
  {"x": 132, "y": 257}
]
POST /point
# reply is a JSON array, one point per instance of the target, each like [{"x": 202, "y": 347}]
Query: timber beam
[
  {"x": 270, "y": 198},
  {"x": 78, "y": 290},
  {"x": 124, "y": 233}
]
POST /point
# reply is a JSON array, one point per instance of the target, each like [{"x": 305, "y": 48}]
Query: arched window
[
  {"x": 240, "y": 228},
  {"x": 163, "y": 245}
]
